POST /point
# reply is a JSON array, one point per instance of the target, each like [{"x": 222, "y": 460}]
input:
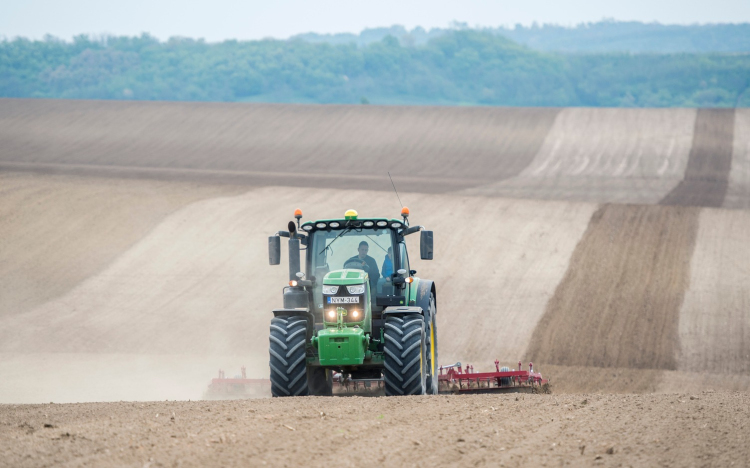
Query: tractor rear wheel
[
  {"x": 405, "y": 370},
  {"x": 288, "y": 361}
]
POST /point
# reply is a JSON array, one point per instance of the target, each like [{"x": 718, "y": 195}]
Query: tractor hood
[{"x": 345, "y": 277}]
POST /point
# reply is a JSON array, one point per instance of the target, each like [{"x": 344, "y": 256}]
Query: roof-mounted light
[
  {"x": 405, "y": 212},
  {"x": 368, "y": 224},
  {"x": 321, "y": 225},
  {"x": 334, "y": 224},
  {"x": 396, "y": 225},
  {"x": 298, "y": 213},
  {"x": 308, "y": 227},
  {"x": 382, "y": 223},
  {"x": 351, "y": 214}
]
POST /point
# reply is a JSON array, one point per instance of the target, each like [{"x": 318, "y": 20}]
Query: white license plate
[{"x": 343, "y": 300}]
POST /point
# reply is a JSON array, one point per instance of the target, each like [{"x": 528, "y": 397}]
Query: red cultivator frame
[
  {"x": 453, "y": 379},
  {"x": 458, "y": 380},
  {"x": 238, "y": 387}
]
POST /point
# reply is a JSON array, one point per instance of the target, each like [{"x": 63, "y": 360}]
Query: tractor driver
[{"x": 365, "y": 262}]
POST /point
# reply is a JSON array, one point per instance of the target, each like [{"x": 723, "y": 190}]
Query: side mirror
[
  {"x": 425, "y": 245},
  {"x": 274, "y": 250}
]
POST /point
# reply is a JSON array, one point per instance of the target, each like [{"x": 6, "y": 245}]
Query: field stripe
[
  {"x": 497, "y": 264},
  {"x": 715, "y": 316},
  {"x": 479, "y": 144},
  {"x": 738, "y": 192},
  {"x": 618, "y": 304},
  {"x": 56, "y": 231},
  {"x": 606, "y": 156},
  {"x": 707, "y": 174}
]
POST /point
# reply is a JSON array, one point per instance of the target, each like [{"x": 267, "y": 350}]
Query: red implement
[
  {"x": 457, "y": 379},
  {"x": 240, "y": 386}
]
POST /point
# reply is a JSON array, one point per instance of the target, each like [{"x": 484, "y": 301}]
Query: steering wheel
[{"x": 356, "y": 265}]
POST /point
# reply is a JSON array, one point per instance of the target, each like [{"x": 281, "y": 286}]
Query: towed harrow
[
  {"x": 239, "y": 386},
  {"x": 453, "y": 379}
]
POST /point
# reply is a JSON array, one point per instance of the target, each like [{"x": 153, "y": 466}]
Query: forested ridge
[
  {"x": 602, "y": 36},
  {"x": 462, "y": 67}
]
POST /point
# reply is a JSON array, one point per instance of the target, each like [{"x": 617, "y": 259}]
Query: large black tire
[
  {"x": 405, "y": 364},
  {"x": 287, "y": 350},
  {"x": 432, "y": 349},
  {"x": 319, "y": 381}
]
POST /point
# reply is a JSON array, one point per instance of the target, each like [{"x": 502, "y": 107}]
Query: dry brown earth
[
  {"x": 714, "y": 328},
  {"x": 738, "y": 191},
  {"x": 57, "y": 231},
  {"x": 707, "y": 174},
  {"x": 428, "y": 148},
  {"x": 618, "y": 304},
  {"x": 141, "y": 285},
  {"x": 700, "y": 429},
  {"x": 162, "y": 295},
  {"x": 606, "y": 156}
]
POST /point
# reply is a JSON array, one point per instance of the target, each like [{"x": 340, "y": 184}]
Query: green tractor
[{"x": 356, "y": 308}]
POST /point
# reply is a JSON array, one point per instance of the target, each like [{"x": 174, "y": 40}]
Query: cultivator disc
[
  {"x": 455, "y": 379},
  {"x": 357, "y": 387}
]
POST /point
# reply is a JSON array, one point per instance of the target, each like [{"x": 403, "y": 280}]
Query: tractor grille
[{"x": 350, "y": 307}]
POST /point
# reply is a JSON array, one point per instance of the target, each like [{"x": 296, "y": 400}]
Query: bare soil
[
  {"x": 714, "y": 328},
  {"x": 162, "y": 294},
  {"x": 343, "y": 146},
  {"x": 684, "y": 429},
  {"x": 606, "y": 156},
  {"x": 707, "y": 174},
  {"x": 57, "y": 231},
  {"x": 142, "y": 284},
  {"x": 738, "y": 191},
  {"x": 618, "y": 304}
]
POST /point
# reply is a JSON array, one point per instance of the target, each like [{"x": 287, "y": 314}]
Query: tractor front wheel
[
  {"x": 287, "y": 350},
  {"x": 405, "y": 361}
]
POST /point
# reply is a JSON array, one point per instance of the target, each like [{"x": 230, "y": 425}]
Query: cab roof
[{"x": 342, "y": 223}]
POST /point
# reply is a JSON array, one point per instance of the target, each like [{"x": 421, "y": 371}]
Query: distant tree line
[
  {"x": 600, "y": 37},
  {"x": 462, "y": 67}
]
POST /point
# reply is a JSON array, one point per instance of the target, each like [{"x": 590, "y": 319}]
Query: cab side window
[{"x": 404, "y": 257}]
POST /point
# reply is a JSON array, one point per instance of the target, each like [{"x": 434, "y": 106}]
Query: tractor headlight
[
  {"x": 368, "y": 224},
  {"x": 331, "y": 314},
  {"x": 382, "y": 223},
  {"x": 396, "y": 225},
  {"x": 320, "y": 225},
  {"x": 356, "y": 315},
  {"x": 334, "y": 224},
  {"x": 307, "y": 227},
  {"x": 330, "y": 289},
  {"x": 357, "y": 289}
]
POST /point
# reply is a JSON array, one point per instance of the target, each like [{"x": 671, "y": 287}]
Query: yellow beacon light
[{"x": 351, "y": 214}]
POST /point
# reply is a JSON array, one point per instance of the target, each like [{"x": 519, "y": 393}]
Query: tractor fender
[
  {"x": 304, "y": 313},
  {"x": 402, "y": 310},
  {"x": 420, "y": 295}
]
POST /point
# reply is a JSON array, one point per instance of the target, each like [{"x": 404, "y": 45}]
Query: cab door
[{"x": 403, "y": 258}]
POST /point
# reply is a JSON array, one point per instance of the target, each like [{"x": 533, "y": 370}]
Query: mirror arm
[{"x": 412, "y": 230}]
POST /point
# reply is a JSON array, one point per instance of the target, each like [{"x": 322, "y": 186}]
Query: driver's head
[{"x": 364, "y": 247}]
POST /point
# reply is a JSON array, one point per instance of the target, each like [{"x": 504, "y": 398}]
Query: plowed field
[{"x": 609, "y": 246}]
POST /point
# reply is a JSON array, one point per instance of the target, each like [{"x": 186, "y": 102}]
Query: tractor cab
[{"x": 355, "y": 264}]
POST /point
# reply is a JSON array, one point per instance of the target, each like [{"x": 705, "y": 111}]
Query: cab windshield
[{"x": 360, "y": 248}]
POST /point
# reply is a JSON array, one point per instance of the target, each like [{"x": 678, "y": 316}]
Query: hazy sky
[{"x": 216, "y": 20}]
